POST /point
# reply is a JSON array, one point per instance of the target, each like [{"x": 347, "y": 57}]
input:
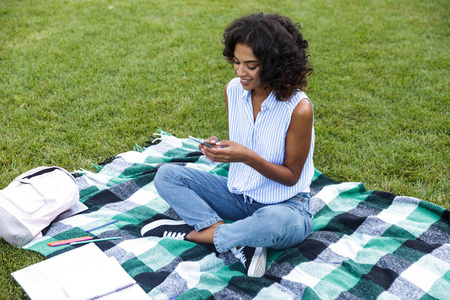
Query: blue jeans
[{"x": 202, "y": 199}]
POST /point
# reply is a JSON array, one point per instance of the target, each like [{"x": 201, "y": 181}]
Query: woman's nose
[{"x": 240, "y": 71}]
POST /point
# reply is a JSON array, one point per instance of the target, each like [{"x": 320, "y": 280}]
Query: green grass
[{"x": 81, "y": 81}]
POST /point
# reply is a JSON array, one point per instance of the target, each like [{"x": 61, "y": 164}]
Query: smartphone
[{"x": 201, "y": 142}]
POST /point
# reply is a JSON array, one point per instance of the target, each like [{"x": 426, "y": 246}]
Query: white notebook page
[
  {"x": 82, "y": 273},
  {"x": 40, "y": 280}
]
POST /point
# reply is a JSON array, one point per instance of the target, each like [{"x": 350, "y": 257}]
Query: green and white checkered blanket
[{"x": 365, "y": 244}]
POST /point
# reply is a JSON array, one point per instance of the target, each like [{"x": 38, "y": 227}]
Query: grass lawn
[{"x": 81, "y": 81}]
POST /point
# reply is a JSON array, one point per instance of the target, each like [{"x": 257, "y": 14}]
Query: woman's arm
[{"x": 298, "y": 141}]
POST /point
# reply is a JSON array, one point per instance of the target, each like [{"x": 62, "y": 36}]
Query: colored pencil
[
  {"x": 64, "y": 242},
  {"x": 92, "y": 229},
  {"x": 96, "y": 240}
]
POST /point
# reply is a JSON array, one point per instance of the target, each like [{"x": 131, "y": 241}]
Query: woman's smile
[{"x": 247, "y": 66}]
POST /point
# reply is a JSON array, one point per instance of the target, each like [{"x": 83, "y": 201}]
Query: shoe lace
[
  {"x": 241, "y": 255},
  {"x": 175, "y": 235}
]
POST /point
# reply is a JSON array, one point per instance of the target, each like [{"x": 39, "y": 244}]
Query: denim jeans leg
[
  {"x": 201, "y": 199},
  {"x": 278, "y": 226}
]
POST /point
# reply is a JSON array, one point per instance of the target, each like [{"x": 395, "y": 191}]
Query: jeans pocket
[{"x": 304, "y": 198}]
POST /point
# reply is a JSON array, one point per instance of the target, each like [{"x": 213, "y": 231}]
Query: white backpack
[{"x": 33, "y": 200}]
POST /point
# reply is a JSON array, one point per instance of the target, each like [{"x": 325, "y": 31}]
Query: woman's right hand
[{"x": 212, "y": 140}]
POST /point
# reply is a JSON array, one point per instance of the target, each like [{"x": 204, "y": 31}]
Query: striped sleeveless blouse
[{"x": 267, "y": 137}]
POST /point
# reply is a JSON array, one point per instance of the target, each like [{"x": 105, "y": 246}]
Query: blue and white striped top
[{"x": 267, "y": 137}]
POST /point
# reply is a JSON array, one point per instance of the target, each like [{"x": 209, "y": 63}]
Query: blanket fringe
[
  {"x": 156, "y": 138},
  {"x": 101, "y": 165}
]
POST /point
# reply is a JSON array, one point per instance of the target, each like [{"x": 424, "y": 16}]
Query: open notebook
[{"x": 82, "y": 273}]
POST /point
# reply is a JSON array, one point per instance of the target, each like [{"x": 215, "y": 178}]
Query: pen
[
  {"x": 96, "y": 240},
  {"x": 92, "y": 229},
  {"x": 64, "y": 242}
]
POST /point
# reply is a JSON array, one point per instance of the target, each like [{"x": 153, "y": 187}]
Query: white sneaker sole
[
  {"x": 257, "y": 267},
  {"x": 158, "y": 223}
]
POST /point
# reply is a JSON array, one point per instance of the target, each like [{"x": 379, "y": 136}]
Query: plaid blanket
[{"x": 365, "y": 244}]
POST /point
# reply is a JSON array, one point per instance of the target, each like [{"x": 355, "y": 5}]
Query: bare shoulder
[
  {"x": 301, "y": 120},
  {"x": 226, "y": 96},
  {"x": 226, "y": 87},
  {"x": 303, "y": 111}
]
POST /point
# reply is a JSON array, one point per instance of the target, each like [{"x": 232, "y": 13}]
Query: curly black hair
[{"x": 277, "y": 42}]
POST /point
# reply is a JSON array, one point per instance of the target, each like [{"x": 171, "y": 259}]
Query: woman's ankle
[{"x": 205, "y": 235}]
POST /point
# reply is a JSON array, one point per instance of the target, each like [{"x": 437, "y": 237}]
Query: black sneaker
[
  {"x": 167, "y": 228},
  {"x": 254, "y": 259}
]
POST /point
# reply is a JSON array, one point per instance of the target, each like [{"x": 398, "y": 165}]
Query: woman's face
[{"x": 247, "y": 67}]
